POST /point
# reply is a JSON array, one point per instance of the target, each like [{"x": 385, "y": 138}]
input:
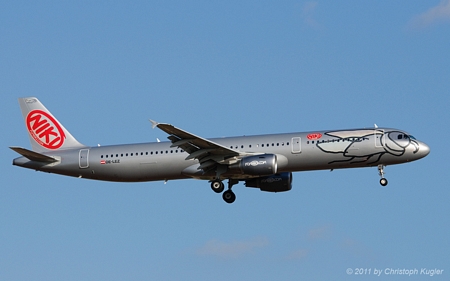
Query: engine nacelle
[
  {"x": 275, "y": 183},
  {"x": 258, "y": 165}
]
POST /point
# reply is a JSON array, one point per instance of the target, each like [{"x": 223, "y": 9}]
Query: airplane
[{"x": 260, "y": 161}]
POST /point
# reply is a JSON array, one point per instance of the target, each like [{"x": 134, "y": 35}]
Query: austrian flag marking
[
  {"x": 45, "y": 130},
  {"x": 314, "y": 136}
]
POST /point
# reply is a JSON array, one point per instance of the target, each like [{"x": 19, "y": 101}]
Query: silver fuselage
[{"x": 303, "y": 151}]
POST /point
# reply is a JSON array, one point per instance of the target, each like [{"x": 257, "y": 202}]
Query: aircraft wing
[{"x": 207, "y": 152}]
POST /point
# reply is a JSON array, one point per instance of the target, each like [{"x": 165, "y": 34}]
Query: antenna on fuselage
[{"x": 376, "y": 127}]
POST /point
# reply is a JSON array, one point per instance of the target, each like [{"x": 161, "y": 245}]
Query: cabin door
[
  {"x": 296, "y": 145},
  {"x": 84, "y": 158}
]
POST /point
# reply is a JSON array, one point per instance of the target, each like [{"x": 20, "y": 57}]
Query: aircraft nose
[{"x": 424, "y": 149}]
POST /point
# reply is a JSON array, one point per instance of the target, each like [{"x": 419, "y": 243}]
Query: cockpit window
[
  {"x": 404, "y": 136},
  {"x": 412, "y": 137}
]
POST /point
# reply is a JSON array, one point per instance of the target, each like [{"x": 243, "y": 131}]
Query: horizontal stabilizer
[{"x": 33, "y": 156}]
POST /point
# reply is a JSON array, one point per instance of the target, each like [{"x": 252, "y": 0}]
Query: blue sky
[{"x": 225, "y": 69}]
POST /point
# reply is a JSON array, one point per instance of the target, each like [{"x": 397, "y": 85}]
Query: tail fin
[{"x": 45, "y": 132}]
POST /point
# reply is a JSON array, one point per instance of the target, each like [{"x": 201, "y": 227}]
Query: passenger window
[
  {"x": 117, "y": 155},
  {"x": 101, "y": 156}
]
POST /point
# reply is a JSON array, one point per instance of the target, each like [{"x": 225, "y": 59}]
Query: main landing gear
[
  {"x": 218, "y": 186},
  {"x": 383, "y": 181}
]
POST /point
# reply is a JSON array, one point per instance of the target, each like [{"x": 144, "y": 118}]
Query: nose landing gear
[{"x": 383, "y": 181}]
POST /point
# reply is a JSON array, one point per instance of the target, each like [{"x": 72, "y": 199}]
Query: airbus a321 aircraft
[{"x": 265, "y": 161}]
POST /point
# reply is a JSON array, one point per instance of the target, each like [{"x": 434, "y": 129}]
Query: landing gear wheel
[
  {"x": 383, "y": 181},
  {"x": 229, "y": 196},
  {"x": 217, "y": 186}
]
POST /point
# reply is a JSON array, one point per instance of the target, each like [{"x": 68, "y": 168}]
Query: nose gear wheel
[{"x": 383, "y": 181}]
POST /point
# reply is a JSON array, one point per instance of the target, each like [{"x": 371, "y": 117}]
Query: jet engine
[
  {"x": 258, "y": 165},
  {"x": 275, "y": 183}
]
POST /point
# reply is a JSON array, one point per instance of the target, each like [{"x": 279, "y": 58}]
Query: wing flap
[
  {"x": 181, "y": 142},
  {"x": 207, "y": 164},
  {"x": 199, "y": 153}
]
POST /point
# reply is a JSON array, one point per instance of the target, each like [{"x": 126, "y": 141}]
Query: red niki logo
[
  {"x": 45, "y": 130},
  {"x": 314, "y": 136}
]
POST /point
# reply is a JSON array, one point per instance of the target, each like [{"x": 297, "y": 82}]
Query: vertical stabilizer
[{"x": 44, "y": 130}]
